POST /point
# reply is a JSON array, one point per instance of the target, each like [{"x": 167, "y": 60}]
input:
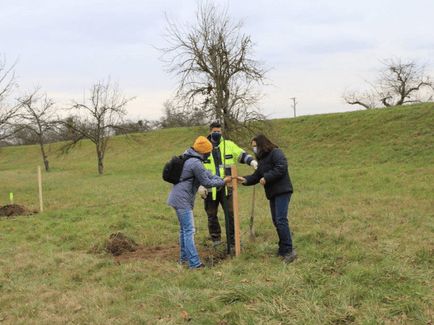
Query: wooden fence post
[{"x": 236, "y": 219}]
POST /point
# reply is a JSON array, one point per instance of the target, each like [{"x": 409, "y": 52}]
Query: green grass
[{"x": 362, "y": 219}]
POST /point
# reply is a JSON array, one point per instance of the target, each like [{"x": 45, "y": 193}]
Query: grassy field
[{"x": 362, "y": 219}]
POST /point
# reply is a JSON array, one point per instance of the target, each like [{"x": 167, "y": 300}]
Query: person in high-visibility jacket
[{"x": 225, "y": 153}]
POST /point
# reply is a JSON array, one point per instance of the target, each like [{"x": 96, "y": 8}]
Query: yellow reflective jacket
[{"x": 224, "y": 155}]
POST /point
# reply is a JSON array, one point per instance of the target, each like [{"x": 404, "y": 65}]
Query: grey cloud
[
  {"x": 84, "y": 23},
  {"x": 326, "y": 17},
  {"x": 336, "y": 46}
]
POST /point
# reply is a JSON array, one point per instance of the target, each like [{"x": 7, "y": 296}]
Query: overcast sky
[{"x": 317, "y": 49}]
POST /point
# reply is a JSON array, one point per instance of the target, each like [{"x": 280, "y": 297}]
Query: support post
[
  {"x": 236, "y": 220},
  {"x": 41, "y": 207}
]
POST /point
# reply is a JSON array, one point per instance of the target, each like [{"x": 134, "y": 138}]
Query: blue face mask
[
  {"x": 216, "y": 136},
  {"x": 255, "y": 150}
]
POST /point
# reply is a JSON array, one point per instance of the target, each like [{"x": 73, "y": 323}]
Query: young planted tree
[
  {"x": 37, "y": 119},
  {"x": 397, "y": 83},
  {"x": 8, "y": 111},
  {"x": 97, "y": 118},
  {"x": 214, "y": 63}
]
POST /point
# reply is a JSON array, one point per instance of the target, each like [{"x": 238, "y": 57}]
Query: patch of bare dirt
[
  {"x": 125, "y": 251},
  {"x": 13, "y": 210}
]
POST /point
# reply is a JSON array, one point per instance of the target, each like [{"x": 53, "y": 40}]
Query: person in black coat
[{"x": 272, "y": 173}]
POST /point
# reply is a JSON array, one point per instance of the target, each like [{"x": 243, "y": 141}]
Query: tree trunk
[
  {"x": 100, "y": 163},
  {"x": 44, "y": 157},
  {"x": 47, "y": 165}
]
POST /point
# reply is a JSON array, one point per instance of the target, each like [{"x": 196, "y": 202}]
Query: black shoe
[{"x": 290, "y": 257}]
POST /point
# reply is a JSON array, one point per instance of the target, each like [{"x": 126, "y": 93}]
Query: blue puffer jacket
[
  {"x": 274, "y": 168},
  {"x": 183, "y": 194}
]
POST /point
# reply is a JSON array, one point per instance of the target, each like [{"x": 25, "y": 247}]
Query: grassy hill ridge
[
  {"x": 361, "y": 217},
  {"x": 392, "y": 134}
]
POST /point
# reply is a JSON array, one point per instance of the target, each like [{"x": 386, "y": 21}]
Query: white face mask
[{"x": 255, "y": 150}]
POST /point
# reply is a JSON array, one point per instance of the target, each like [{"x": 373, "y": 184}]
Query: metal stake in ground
[
  {"x": 225, "y": 209},
  {"x": 251, "y": 233},
  {"x": 236, "y": 221}
]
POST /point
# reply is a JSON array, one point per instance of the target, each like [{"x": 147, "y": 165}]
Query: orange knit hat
[{"x": 202, "y": 145}]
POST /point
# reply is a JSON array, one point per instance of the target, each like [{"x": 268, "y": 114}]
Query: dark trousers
[
  {"x": 211, "y": 209},
  {"x": 279, "y": 213}
]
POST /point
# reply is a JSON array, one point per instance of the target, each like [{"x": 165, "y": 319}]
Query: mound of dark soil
[
  {"x": 15, "y": 210},
  {"x": 119, "y": 243}
]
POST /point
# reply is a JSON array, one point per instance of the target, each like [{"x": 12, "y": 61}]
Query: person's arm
[
  {"x": 205, "y": 177},
  {"x": 252, "y": 179},
  {"x": 280, "y": 166},
  {"x": 243, "y": 157}
]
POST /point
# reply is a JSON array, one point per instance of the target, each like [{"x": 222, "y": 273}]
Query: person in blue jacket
[
  {"x": 183, "y": 194},
  {"x": 272, "y": 173}
]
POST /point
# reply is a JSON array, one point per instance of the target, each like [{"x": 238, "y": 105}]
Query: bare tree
[
  {"x": 37, "y": 119},
  {"x": 129, "y": 127},
  {"x": 179, "y": 116},
  {"x": 8, "y": 111},
  {"x": 213, "y": 60},
  {"x": 97, "y": 119},
  {"x": 397, "y": 83}
]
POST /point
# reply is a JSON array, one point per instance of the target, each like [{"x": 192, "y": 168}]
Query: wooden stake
[
  {"x": 41, "y": 208},
  {"x": 236, "y": 220}
]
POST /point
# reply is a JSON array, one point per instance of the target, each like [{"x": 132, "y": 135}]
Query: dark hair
[
  {"x": 214, "y": 125},
  {"x": 264, "y": 145}
]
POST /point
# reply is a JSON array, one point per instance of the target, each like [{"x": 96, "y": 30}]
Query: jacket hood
[{"x": 191, "y": 152}]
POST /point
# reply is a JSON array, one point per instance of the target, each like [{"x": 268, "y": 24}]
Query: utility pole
[{"x": 293, "y": 106}]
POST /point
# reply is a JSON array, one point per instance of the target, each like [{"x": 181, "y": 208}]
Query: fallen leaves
[{"x": 185, "y": 316}]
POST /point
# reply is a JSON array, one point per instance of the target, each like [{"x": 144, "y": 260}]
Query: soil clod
[
  {"x": 13, "y": 210},
  {"x": 119, "y": 243}
]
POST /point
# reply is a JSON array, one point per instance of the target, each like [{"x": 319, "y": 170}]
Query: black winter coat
[{"x": 274, "y": 168}]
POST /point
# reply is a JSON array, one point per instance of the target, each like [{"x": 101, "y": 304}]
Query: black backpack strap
[{"x": 186, "y": 157}]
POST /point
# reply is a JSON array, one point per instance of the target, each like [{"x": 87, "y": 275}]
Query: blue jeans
[
  {"x": 279, "y": 213},
  {"x": 186, "y": 238}
]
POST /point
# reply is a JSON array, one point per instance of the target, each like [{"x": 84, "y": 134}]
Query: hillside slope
[
  {"x": 361, "y": 137},
  {"x": 361, "y": 218},
  {"x": 395, "y": 134}
]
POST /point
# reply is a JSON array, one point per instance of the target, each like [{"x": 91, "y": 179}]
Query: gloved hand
[
  {"x": 254, "y": 164},
  {"x": 241, "y": 180},
  {"x": 203, "y": 192},
  {"x": 228, "y": 181}
]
